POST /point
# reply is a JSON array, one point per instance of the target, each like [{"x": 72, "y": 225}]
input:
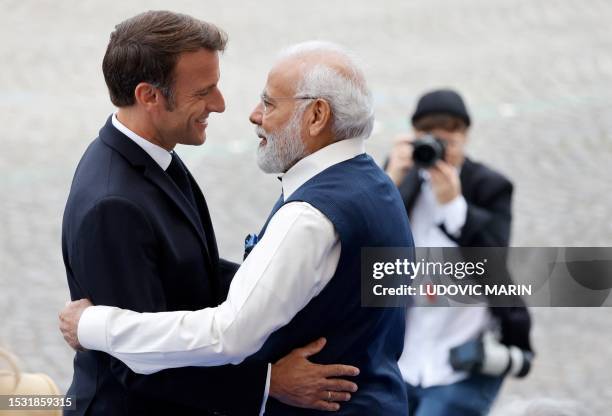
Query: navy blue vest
[{"x": 367, "y": 211}]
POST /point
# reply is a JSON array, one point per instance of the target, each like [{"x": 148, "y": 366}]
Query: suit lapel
[
  {"x": 466, "y": 177},
  {"x": 204, "y": 216},
  {"x": 162, "y": 181},
  {"x": 138, "y": 158}
]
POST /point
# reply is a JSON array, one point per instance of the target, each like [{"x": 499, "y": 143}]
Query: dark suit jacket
[
  {"x": 131, "y": 239},
  {"x": 488, "y": 195}
]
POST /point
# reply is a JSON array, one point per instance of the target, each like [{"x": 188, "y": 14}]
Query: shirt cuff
[
  {"x": 91, "y": 330},
  {"x": 454, "y": 214},
  {"x": 266, "y": 391}
]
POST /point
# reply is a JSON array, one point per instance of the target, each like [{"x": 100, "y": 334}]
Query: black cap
[{"x": 441, "y": 102}]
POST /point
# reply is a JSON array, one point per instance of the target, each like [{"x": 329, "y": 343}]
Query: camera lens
[{"x": 427, "y": 150}]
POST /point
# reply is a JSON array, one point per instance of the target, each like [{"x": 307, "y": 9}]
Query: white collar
[
  {"x": 160, "y": 155},
  {"x": 320, "y": 160}
]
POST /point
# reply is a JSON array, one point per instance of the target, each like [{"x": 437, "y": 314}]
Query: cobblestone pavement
[{"x": 537, "y": 75}]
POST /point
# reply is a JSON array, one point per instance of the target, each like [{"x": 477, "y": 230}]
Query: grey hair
[{"x": 347, "y": 94}]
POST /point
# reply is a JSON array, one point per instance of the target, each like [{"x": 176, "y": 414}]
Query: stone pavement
[{"x": 537, "y": 75}]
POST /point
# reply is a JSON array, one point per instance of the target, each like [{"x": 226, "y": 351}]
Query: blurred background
[{"x": 537, "y": 76}]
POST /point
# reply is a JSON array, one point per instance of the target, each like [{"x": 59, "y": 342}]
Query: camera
[
  {"x": 427, "y": 150},
  {"x": 486, "y": 355}
]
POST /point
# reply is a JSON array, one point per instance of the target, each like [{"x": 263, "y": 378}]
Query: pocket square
[{"x": 250, "y": 242}]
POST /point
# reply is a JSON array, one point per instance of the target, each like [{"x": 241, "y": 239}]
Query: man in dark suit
[
  {"x": 137, "y": 231},
  {"x": 461, "y": 203}
]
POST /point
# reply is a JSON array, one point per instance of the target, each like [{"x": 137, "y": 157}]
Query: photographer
[{"x": 453, "y": 201}]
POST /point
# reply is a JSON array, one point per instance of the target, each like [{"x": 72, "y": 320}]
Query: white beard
[{"x": 283, "y": 148}]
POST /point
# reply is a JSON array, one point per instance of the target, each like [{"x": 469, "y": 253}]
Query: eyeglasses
[{"x": 267, "y": 102}]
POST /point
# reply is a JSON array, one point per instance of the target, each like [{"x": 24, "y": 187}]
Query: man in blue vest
[{"x": 302, "y": 279}]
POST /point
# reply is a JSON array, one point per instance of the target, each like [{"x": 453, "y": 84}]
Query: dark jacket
[
  {"x": 131, "y": 239},
  {"x": 366, "y": 210}
]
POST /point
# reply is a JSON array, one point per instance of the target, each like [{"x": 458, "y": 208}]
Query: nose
[
  {"x": 257, "y": 114},
  {"x": 217, "y": 103}
]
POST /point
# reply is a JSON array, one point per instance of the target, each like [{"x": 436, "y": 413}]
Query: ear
[
  {"x": 147, "y": 95},
  {"x": 320, "y": 117}
]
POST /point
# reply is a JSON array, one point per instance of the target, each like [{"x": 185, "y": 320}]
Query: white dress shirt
[
  {"x": 160, "y": 155},
  {"x": 432, "y": 331},
  {"x": 290, "y": 265}
]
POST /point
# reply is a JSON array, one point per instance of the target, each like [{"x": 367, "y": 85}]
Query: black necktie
[{"x": 178, "y": 174}]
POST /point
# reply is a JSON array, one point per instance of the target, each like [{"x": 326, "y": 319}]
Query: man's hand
[
  {"x": 69, "y": 321},
  {"x": 444, "y": 182},
  {"x": 298, "y": 382},
  {"x": 400, "y": 158}
]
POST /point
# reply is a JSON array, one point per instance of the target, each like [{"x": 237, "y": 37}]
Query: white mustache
[{"x": 260, "y": 132}]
